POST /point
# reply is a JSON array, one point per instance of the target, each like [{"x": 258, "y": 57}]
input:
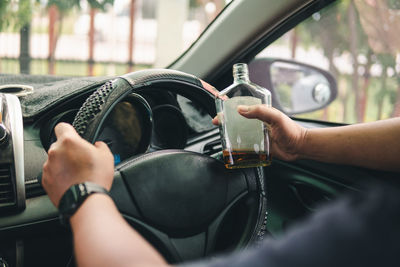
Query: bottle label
[{"x": 242, "y": 134}]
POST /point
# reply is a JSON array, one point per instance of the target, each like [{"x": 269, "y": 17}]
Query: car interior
[{"x": 169, "y": 181}]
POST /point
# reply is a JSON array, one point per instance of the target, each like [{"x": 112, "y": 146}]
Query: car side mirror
[{"x": 296, "y": 87}]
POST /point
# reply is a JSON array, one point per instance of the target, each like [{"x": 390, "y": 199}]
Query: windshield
[{"x": 98, "y": 37}]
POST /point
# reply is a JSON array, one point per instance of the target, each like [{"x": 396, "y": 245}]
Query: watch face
[
  {"x": 3, "y": 263},
  {"x": 75, "y": 196},
  {"x": 71, "y": 200},
  {"x": 81, "y": 190}
]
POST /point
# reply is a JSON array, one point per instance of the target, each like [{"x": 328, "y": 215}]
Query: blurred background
[
  {"x": 98, "y": 37},
  {"x": 357, "y": 41}
]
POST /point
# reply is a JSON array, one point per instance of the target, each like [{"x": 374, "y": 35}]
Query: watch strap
[{"x": 75, "y": 196}]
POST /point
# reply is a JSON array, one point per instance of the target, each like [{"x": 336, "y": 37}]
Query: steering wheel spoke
[
  {"x": 176, "y": 248},
  {"x": 123, "y": 198},
  {"x": 215, "y": 227}
]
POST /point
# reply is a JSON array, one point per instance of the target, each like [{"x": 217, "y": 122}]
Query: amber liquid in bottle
[{"x": 245, "y": 159}]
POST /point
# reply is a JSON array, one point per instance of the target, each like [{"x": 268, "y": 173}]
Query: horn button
[{"x": 180, "y": 192}]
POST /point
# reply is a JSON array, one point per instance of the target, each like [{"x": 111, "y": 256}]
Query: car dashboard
[{"x": 138, "y": 124}]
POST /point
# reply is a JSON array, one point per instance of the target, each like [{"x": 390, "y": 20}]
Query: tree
[
  {"x": 131, "y": 34},
  {"x": 57, "y": 11},
  {"x": 91, "y": 41},
  {"x": 4, "y": 15},
  {"x": 337, "y": 30},
  {"x": 24, "y": 20},
  {"x": 354, "y": 42},
  {"x": 327, "y": 31},
  {"x": 18, "y": 16},
  {"x": 386, "y": 61},
  {"x": 384, "y": 41}
]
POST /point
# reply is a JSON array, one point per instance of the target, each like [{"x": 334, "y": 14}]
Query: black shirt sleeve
[{"x": 361, "y": 230}]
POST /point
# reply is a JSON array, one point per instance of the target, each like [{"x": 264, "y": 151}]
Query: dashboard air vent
[
  {"x": 6, "y": 187},
  {"x": 212, "y": 147}
]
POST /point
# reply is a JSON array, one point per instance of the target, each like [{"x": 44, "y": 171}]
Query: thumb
[
  {"x": 215, "y": 121},
  {"x": 64, "y": 129},
  {"x": 261, "y": 112}
]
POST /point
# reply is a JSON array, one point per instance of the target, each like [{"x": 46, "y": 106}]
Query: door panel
[{"x": 296, "y": 189}]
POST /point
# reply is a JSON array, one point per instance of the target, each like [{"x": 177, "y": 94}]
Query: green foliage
[
  {"x": 392, "y": 94},
  {"x": 387, "y": 60},
  {"x": 65, "y": 6},
  {"x": 329, "y": 30},
  {"x": 194, "y": 3},
  {"x": 24, "y": 13},
  {"x": 15, "y": 14},
  {"x": 100, "y": 4},
  {"x": 393, "y": 4},
  {"x": 325, "y": 26},
  {"x": 4, "y": 14}
]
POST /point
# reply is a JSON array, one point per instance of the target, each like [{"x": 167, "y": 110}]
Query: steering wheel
[{"x": 186, "y": 204}]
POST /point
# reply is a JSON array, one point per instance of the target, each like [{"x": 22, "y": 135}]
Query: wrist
[
  {"x": 301, "y": 152},
  {"x": 90, "y": 205}
]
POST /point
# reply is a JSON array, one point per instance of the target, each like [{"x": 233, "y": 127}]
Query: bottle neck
[
  {"x": 240, "y": 73},
  {"x": 241, "y": 78}
]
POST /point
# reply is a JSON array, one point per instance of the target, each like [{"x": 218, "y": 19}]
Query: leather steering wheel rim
[{"x": 180, "y": 201}]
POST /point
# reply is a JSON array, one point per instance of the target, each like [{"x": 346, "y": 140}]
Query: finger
[
  {"x": 52, "y": 147},
  {"x": 261, "y": 112},
  {"x": 215, "y": 120},
  {"x": 209, "y": 88},
  {"x": 63, "y": 129},
  {"x": 104, "y": 149},
  {"x": 43, "y": 174},
  {"x": 102, "y": 146}
]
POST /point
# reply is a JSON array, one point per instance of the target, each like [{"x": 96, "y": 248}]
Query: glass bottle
[{"x": 245, "y": 142}]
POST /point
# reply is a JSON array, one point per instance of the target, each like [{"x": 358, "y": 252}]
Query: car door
[{"x": 353, "y": 45}]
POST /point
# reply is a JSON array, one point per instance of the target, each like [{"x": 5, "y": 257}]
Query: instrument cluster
[{"x": 132, "y": 127}]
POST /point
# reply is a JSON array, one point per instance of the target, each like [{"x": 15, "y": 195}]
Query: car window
[
  {"x": 98, "y": 37},
  {"x": 357, "y": 42}
]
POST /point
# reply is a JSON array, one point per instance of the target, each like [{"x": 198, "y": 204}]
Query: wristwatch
[{"x": 74, "y": 197}]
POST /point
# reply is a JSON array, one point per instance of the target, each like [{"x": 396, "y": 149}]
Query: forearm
[
  {"x": 373, "y": 145},
  {"x": 103, "y": 238}
]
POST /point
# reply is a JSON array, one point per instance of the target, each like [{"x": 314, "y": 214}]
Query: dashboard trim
[
  {"x": 17, "y": 133},
  {"x": 38, "y": 210}
]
